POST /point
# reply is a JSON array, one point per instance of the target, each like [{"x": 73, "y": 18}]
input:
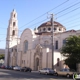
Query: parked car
[
  {"x": 47, "y": 71},
  {"x": 65, "y": 72},
  {"x": 9, "y": 67},
  {"x": 3, "y": 67},
  {"x": 17, "y": 68},
  {"x": 0, "y": 65},
  {"x": 26, "y": 69}
]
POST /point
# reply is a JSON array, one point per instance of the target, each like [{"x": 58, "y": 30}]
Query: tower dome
[{"x": 47, "y": 27}]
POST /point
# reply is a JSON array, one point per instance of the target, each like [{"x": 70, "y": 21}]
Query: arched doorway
[
  {"x": 38, "y": 58},
  {"x": 37, "y": 64}
]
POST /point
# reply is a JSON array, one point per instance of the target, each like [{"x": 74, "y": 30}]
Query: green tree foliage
[
  {"x": 71, "y": 49},
  {"x": 1, "y": 56}
]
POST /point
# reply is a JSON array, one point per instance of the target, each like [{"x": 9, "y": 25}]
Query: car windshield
[
  {"x": 18, "y": 66},
  {"x": 46, "y": 69},
  {"x": 64, "y": 70},
  {"x": 23, "y": 67},
  {"x": 49, "y": 69}
]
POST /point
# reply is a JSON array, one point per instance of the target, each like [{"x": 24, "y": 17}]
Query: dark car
[
  {"x": 9, "y": 67},
  {"x": 26, "y": 69},
  {"x": 3, "y": 67},
  {"x": 0, "y": 65}
]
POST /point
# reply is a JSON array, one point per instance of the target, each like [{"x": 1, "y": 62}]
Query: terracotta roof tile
[{"x": 49, "y": 24}]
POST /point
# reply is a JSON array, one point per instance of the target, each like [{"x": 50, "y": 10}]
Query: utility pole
[{"x": 52, "y": 24}]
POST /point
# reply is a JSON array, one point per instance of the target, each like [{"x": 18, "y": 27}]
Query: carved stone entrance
[
  {"x": 37, "y": 64},
  {"x": 38, "y": 58}
]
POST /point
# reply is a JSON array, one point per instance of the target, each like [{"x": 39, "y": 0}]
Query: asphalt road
[{"x": 17, "y": 75}]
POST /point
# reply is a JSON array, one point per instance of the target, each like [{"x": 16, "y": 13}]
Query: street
[{"x": 17, "y": 75}]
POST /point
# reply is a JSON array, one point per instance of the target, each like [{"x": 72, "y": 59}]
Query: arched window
[
  {"x": 56, "y": 45},
  {"x": 15, "y": 50},
  {"x": 64, "y": 41},
  {"x": 12, "y": 49},
  {"x": 59, "y": 29},
  {"x": 54, "y": 29},
  {"x": 49, "y": 29},
  {"x": 14, "y": 15},
  {"x": 44, "y": 29},
  {"x": 25, "y": 46},
  {"x": 13, "y": 33},
  {"x": 58, "y": 60},
  {"x": 14, "y": 23}
]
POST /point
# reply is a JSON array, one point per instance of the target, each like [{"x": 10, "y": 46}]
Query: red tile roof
[{"x": 49, "y": 24}]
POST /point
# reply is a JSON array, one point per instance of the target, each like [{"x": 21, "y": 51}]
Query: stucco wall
[{"x": 26, "y": 35}]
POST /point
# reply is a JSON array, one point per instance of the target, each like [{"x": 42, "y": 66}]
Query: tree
[
  {"x": 71, "y": 50},
  {"x": 1, "y": 56}
]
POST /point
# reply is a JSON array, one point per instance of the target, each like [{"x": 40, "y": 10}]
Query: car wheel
[
  {"x": 56, "y": 74},
  {"x": 20, "y": 70},
  {"x": 46, "y": 73},
  {"x": 29, "y": 70},
  {"x": 67, "y": 75},
  {"x": 39, "y": 72},
  {"x": 24, "y": 70}
]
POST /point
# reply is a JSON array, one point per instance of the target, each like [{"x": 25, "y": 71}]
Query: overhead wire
[
  {"x": 70, "y": 17},
  {"x": 62, "y": 10},
  {"x": 55, "y": 8},
  {"x": 67, "y": 8},
  {"x": 65, "y": 13},
  {"x": 72, "y": 20},
  {"x": 73, "y": 26},
  {"x": 44, "y": 13},
  {"x": 68, "y": 12},
  {"x": 38, "y": 22}
]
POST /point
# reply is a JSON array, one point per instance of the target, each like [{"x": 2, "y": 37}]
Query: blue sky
[{"x": 28, "y": 10}]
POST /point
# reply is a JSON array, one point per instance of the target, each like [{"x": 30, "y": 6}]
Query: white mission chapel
[{"x": 34, "y": 47}]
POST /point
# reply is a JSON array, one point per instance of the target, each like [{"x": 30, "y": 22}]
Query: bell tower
[
  {"x": 12, "y": 32},
  {"x": 12, "y": 36}
]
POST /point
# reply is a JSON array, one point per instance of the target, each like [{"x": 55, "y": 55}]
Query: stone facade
[
  {"x": 11, "y": 39},
  {"x": 34, "y": 48}
]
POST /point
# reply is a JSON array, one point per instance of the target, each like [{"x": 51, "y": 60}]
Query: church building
[{"x": 34, "y": 47}]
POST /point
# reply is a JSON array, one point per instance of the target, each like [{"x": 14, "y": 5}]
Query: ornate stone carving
[{"x": 39, "y": 53}]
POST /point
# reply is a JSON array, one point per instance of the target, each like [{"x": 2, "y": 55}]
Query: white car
[
  {"x": 17, "y": 68},
  {"x": 46, "y": 71}
]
